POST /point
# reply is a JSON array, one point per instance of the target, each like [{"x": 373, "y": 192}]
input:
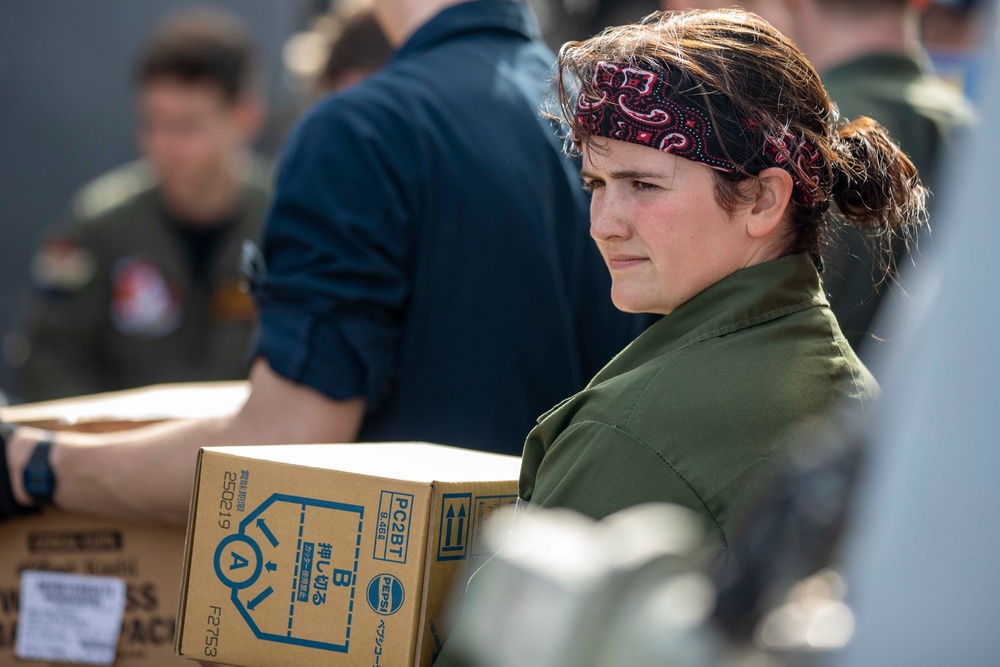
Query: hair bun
[{"x": 876, "y": 187}]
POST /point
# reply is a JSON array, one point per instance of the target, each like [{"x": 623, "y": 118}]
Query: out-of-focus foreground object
[
  {"x": 565, "y": 590},
  {"x": 147, "y": 558},
  {"x": 923, "y": 562}
]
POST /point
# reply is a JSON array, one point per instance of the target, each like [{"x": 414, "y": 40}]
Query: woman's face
[{"x": 657, "y": 224}]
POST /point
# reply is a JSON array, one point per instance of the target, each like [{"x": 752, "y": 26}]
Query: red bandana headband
[{"x": 642, "y": 107}]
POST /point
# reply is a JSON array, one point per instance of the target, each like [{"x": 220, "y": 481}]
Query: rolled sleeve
[{"x": 336, "y": 251}]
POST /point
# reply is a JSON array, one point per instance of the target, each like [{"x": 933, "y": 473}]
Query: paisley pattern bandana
[{"x": 662, "y": 110}]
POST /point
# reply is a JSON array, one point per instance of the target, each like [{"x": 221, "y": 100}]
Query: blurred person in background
[
  {"x": 563, "y": 20},
  {"x": 952, "y": 32},
  {"x": 358, "y": 49},
  {"x": 871, "y": 61},
  {"x": 427, "y": 276},
  {"x": 143, "y": 286},
  {"x": 343, "y": 46}
]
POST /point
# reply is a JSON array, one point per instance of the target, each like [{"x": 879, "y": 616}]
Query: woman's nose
[{"x": 608, "y": 217}]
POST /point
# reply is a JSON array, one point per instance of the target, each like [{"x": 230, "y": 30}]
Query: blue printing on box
[
  {"x": 248, "y": 565},
  {"x": 392, "y": 536},
  {"x": 305, "y": 571},
  {"x": 453, "y": 527}
]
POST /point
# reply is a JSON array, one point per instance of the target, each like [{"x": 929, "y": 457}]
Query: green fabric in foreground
[{"x": 694, "y": 411}]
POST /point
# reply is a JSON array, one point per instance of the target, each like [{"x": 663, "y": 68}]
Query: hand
[{"x": 9, "y": 504}]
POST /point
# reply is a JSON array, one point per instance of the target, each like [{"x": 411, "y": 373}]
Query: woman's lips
[{"x": 624, "y": 261}]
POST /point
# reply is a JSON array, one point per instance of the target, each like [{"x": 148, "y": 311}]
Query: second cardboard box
[{"x": 333, "y": 555}]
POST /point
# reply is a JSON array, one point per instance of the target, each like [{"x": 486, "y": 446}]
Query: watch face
[{"x": 39, "y": 482}]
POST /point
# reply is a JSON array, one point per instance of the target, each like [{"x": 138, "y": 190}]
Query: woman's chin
[{"x": 628, "y": 302}]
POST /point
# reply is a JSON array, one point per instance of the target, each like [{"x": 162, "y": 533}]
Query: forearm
[
  {"x": 145, "y": 474},
  {"x": 148, "y": 473}
]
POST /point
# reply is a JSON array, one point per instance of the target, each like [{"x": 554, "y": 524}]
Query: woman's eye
[
  {"x": 589, "y": 186},
  {"x": 643, "y": 186}
]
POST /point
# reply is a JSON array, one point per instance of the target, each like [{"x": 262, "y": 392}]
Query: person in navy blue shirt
[
  {"x": 428, "y": 250},
  {"x": 429, "y": 274}
]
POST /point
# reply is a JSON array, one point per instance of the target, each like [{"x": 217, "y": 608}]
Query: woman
[{"x": 714, "y": 156}]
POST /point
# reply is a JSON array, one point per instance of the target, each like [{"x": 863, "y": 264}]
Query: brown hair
[
  {"x": 359, "y": 46},
  {"x": 756, "y": 74},
  {"x": 201, "y": 47}
]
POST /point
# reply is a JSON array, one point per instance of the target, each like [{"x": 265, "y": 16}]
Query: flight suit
[
  {"x": 116, "y": 301},
  {"x": 696, "y": 411}
]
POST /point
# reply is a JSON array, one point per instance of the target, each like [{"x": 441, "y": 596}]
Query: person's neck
[
  {"x": 211, "y": 201},
  {"x": 399, "y": 19},
  {"x": 833, "y": 37}
]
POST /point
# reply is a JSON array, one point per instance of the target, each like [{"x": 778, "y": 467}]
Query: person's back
[{"x": 470, "y": 297}]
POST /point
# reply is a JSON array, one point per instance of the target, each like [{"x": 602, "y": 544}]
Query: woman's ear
[{"x": 766, "y": 214}]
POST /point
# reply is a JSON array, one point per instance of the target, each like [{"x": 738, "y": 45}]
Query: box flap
[
  {"x": 188, "y": 542},
  {"x": 148, "y": 404},
  {"x": 414, "y": 462}
]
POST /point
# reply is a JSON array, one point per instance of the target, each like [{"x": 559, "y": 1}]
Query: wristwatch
[{"x": 39, "y": 480}]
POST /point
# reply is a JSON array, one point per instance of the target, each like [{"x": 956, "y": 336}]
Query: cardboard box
[
  {"x": 132, "y": 408},
  {"x": 332, "y": 555},
  {"x": 148, "y": 558}
]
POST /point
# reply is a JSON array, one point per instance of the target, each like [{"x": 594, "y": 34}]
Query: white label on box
[{"x": 69, "y": 617}]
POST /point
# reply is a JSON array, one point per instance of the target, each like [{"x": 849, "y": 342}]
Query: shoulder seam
[
  {"x": 734, "y": 327},
  {"x": 88, "y": 208},
  {"x": 659, "y": 455}
]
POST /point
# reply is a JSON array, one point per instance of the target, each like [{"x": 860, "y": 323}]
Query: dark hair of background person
[
  {"x": 201, "y": 47},
  {"x": 358, "y": 49},
  {"x": 860, "y": 6},
  {"x": 737, "y": 58}
]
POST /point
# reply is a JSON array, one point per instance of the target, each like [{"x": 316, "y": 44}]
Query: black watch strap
[
  {"x": 39, "y": 480},
  {"x": 9, "y": 507}
]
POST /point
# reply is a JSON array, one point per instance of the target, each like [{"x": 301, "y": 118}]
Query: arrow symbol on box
[
  {"x": 267, "y": 532},
  {"x": 260, "y": 598},
  {"x": 270, "y": 567},
  {"x": 450, "y": 516}
]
